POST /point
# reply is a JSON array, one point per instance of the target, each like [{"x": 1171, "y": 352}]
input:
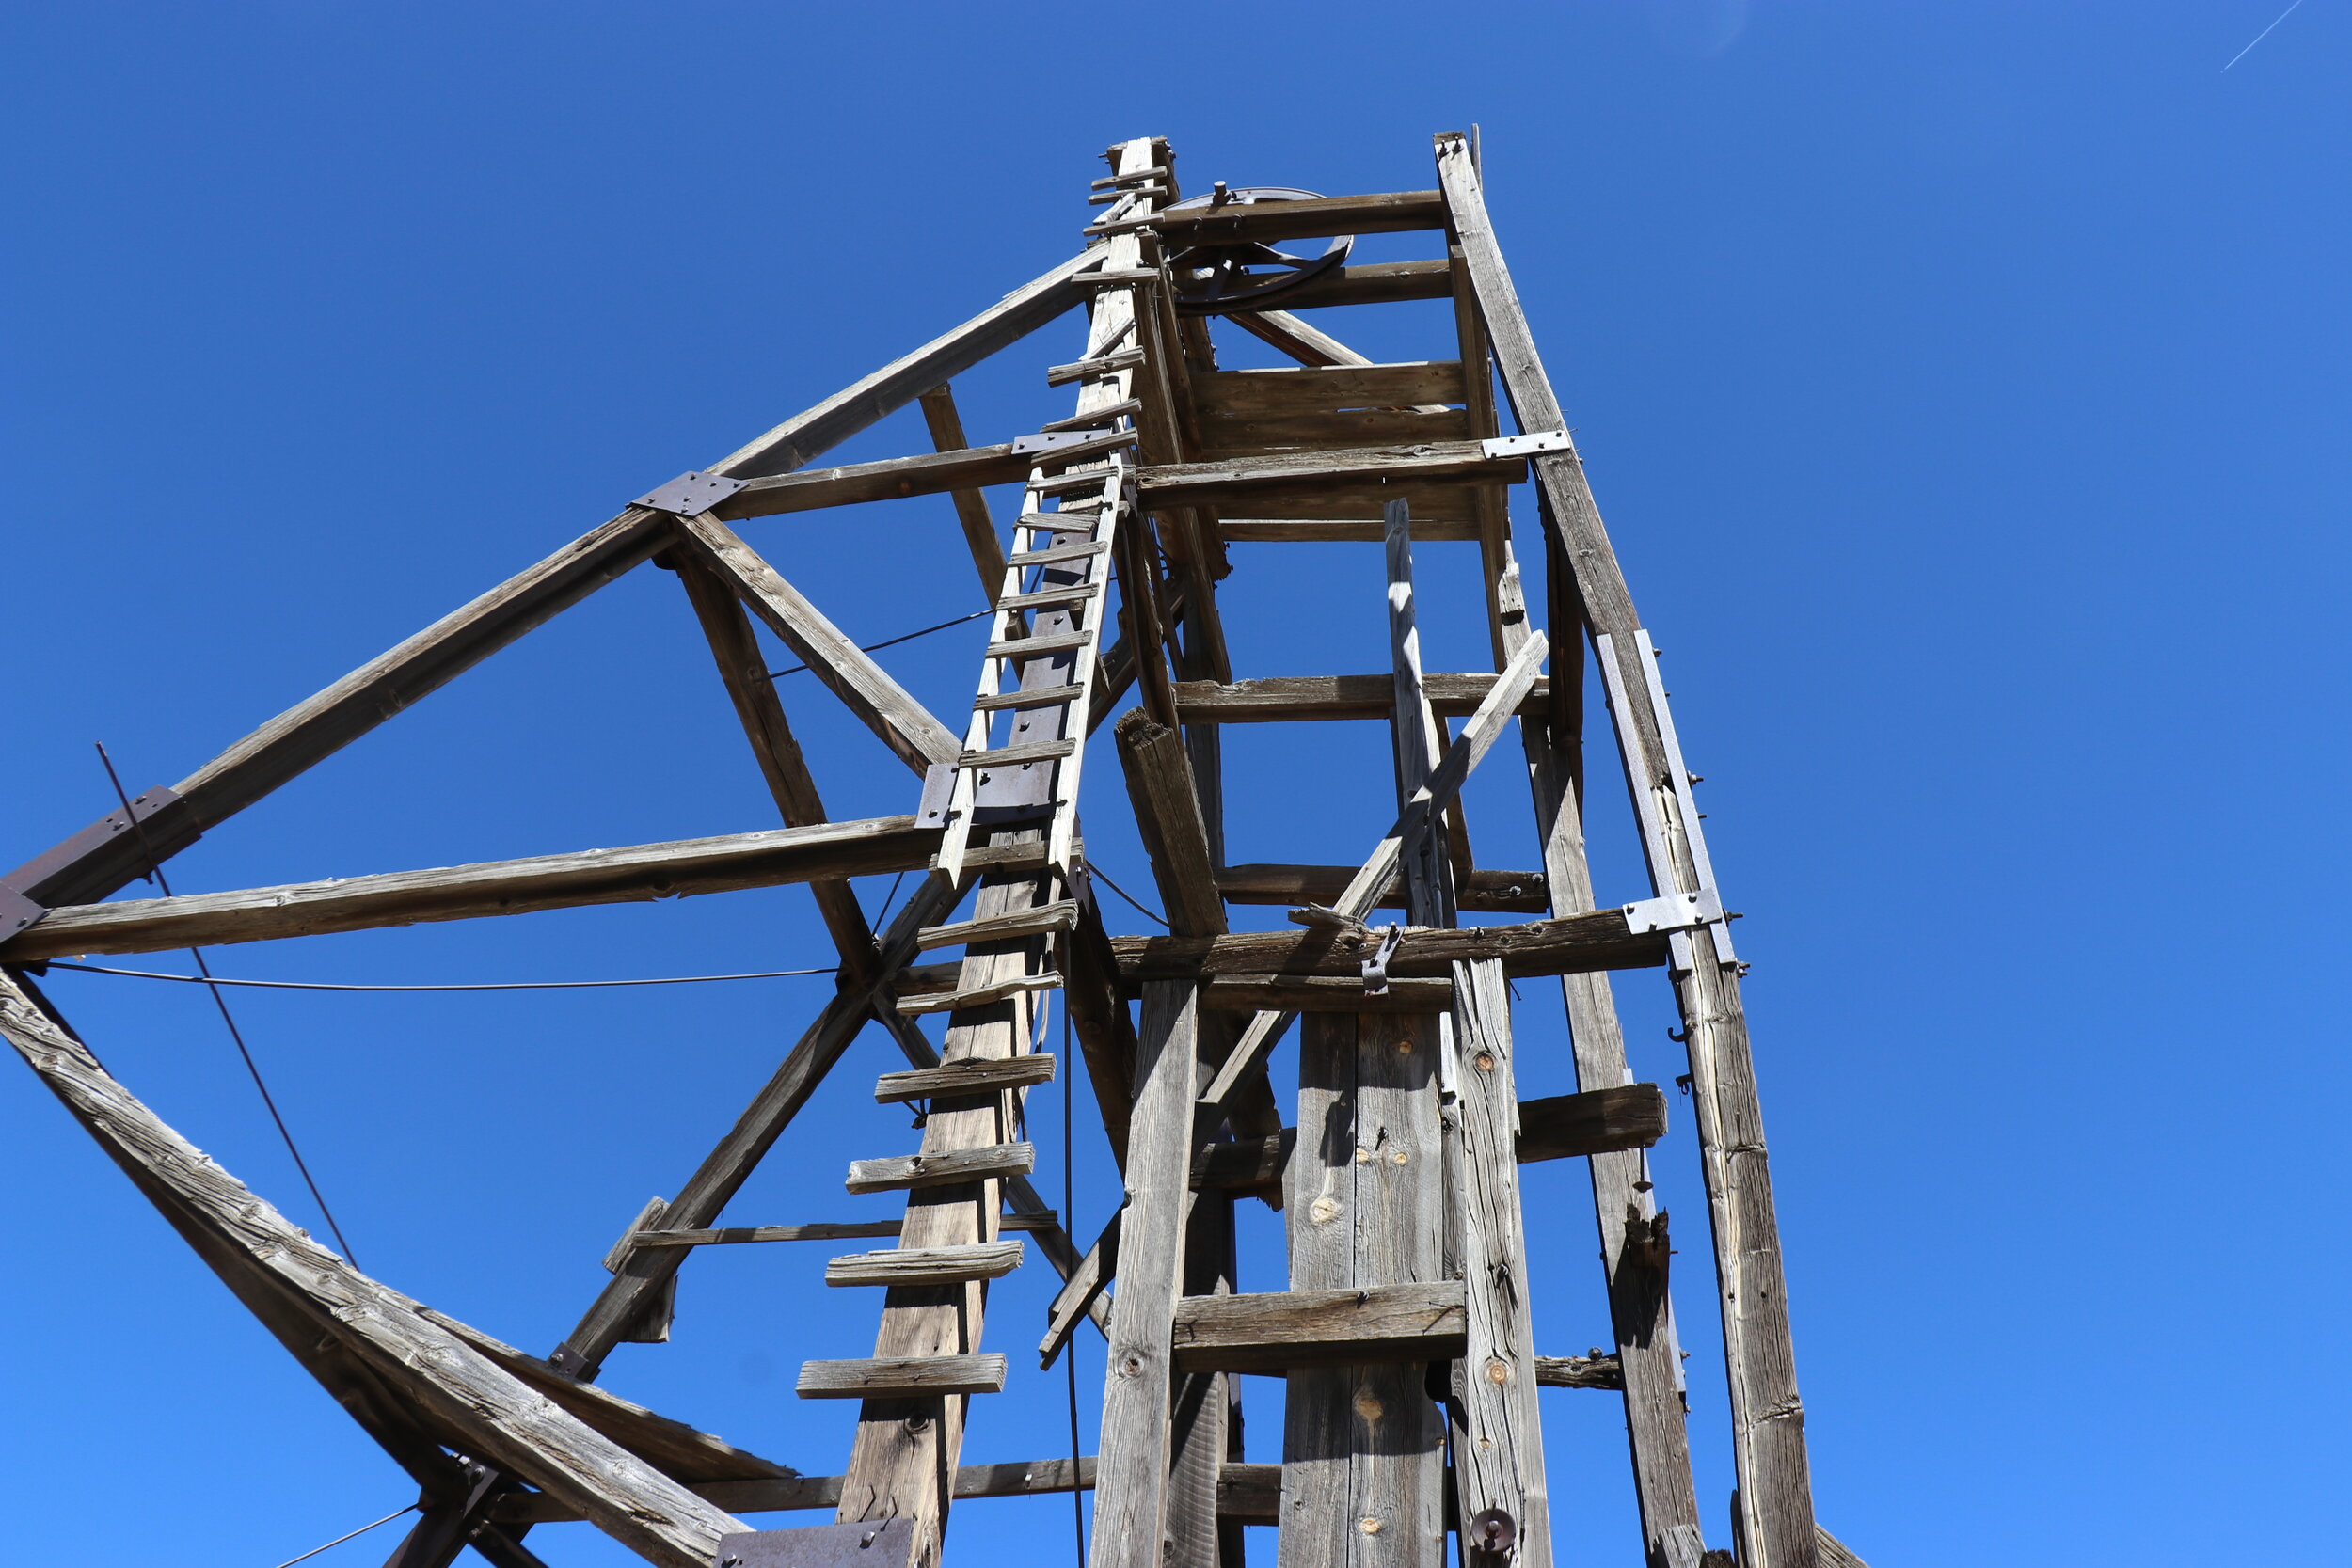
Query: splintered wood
[{"x": 1401, "y": 1333}]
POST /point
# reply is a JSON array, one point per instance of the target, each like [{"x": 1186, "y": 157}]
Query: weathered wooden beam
[
  {"x": 1131, "y": 1486},
  {"x": 1561, "y": 1126},
  {"x": 1563, "y": 945},
  {"x": 1267, "y": 222},
  {"x": 1592, "y": 1121},
  {"x": 1305, "y": 699},
  {"x": 1322, "y": 994},
  {"x": 947, "y": 1265},
  {"x": 901, "y": 1377},
  {"x": 949, "y": 1167},
  {"x": 1768, "y": 1415},
  {"x": 1226, "y": 436},
  {"x": 821, "y": 1231},
  {"x": 1169, "y": 820},
  {"x": 1498, "y": 1447},
  {"x": 1244, "y": 1492},
  {"x": 323, "y": 725},
  {"x": 496, "y": 1416},
  {"x": 1242, "y": 480},
  {"x": 971, "y": 515},
  {"x": 1580, "y": 1371},
  {"x": 931, "y": 473},
  {"x": 881, "y": 704},
  {"x": 1486, "y": 889},
  {"x": 1292, "y": 390},
  {"x": 968, "y": 1076},
  {"x": 1279, "y": 1330},
  {"x": 640, "y": 872},
  {"x": 1374, "y": 283}
]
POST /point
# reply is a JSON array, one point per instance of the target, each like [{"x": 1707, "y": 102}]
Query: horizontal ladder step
[
  {"x": 963, "y": 1076},
  {"x": 1038, "y": 647},
  {"x": 1279, "y": 1330},
  {"x": 1098, "y": 419},
  {"x": 1057, "y": 916},
  {"x": 925, "y": 1265},
  {"x": 1048, "y": 598},
  {"x": 979, "y": 996},
  {"x": 884, "y": 1377},
  {"x": 1079, "y": 369},
  {"x": 1053, "y": 553},
  {"x": 901, "y": 1172},
  {"x": 1063, "y": 484},
  {"x": 1070, "y": 519},
  {"x": 1043, "y": 696},
  {"x": 1013, "y": 756}
]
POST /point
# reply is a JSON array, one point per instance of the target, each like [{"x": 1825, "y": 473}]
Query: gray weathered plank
[
  {"x": 970, "y": 1075},
  {"x": 638, "y": 873},
  {"x": 1168, "y": 820},
  {"x": 901, "y": 1377},
  {"x": 1299, "y": 389},
  {"x": 979, "y": 529},
  {"x": 1131, "y": 1496},
  {"x": 1302, "y": 699},
  {"x": 1493, "y": 891},
  {"x": 947, "y": 1265},
  {"x": 1565, "y": 945},
  {"x": 1231, "y": 480},
  {"x": 1277, "y": 1330},
  {"x": 1580, "y": 1371},
  {"x": 903, "y": 1172}
]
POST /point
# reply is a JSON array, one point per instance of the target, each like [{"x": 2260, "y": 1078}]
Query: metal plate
[
  {"x": 1024, "y": 445},
  {"x": 870, "y": 1544},
  {"x": 1676, "y": 912},
  {"x": 16, "y": 912},
  {"x": 1528, "y": 445},
  {"x": 165, "y": 839},
  {"x": 690, "y": 493}
]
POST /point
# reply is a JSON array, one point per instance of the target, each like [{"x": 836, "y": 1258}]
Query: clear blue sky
[{"x": 1964, "y": 386}]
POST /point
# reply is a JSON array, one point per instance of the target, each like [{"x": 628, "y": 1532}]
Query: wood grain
[
  {"x": 1301, "y": 699},
  {"x": 901, "y": 1377},
  {"x": 904, "y": 1172},
  {"x": 639, "y": 873},
  {"x": 1280, "y": 1330}
]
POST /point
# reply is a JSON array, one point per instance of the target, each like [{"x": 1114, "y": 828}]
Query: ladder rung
[
  {"x": 900, "y": 1172},
  {"x": 1100, "y": 417},
  {"x": 1047, "y": 598},
  {"x": 884, "y": 1377},
  {"x": 1078, "y": 370},
  {"x": 1044, "y": 696},
  {"x": 1059, "y": 917},
  {"x": 925, "y": 1265},
  {"x": 965, "y": 1075},
  {"x": 1053, "y": 553},
  {"x": 979, "y": 996},
  {"x": 1067, "y": 484},
  {"x": 1068, "y": 519},
  {"x": 1014, "y": 757},
  {"x": 1038, "y": 647}
]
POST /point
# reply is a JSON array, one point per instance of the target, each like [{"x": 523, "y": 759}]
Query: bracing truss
[{"x": 1403, "y": 1334}]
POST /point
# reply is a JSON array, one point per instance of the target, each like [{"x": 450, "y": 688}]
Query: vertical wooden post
[
  {"x": 1131, "y": 1484},
  {"x": 1362, "y": 1447},
  {"x": 1767, "y": 1416}
]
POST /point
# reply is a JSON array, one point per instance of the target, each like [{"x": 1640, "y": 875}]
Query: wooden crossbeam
[
  {"x": 893, "y": 478},
  {"x": 1304, "y": 699},
  {"x": 1265, "y": 222},
  {"x": 1276, "y": 1331},
  {"x": 1489, "y": 889},
  {"x": 901, "y": 1377},
  {"x": 1241, "y": 479},
  {"x": 902, "y": 1172},
  {"x": 772, "y": 858},
  {"x": 1374, "y": 283},
  {"x": 1247, "y": 1492},
  {"x": 1562, "y": 945}
]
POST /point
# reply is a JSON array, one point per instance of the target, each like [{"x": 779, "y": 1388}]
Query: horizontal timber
[
  {"x": 1377, "y": 283},
  {"x": 1250, "y": 1494},
  {"x": 1265, "y": 222},
  {"x": 1321, "y": 388},
  {"x": 1276, "y": 1331},
  {"x": 1568, "y": 944},
  {"x": 1301, "y": 699},
  {"x": 930, "y": 473},
  {"x": 901, "y": 1377},
  {"x": 1493, "y": 892},
  {"x": 1398, "y": 469},
  {"x": 936, "y": 1265},
  {"x": 821, "y": 1231},
  {"x": 825, "y": 852},
  {"x": 902, "y": 1172},
  {"x": 965, "y": 1076}
]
